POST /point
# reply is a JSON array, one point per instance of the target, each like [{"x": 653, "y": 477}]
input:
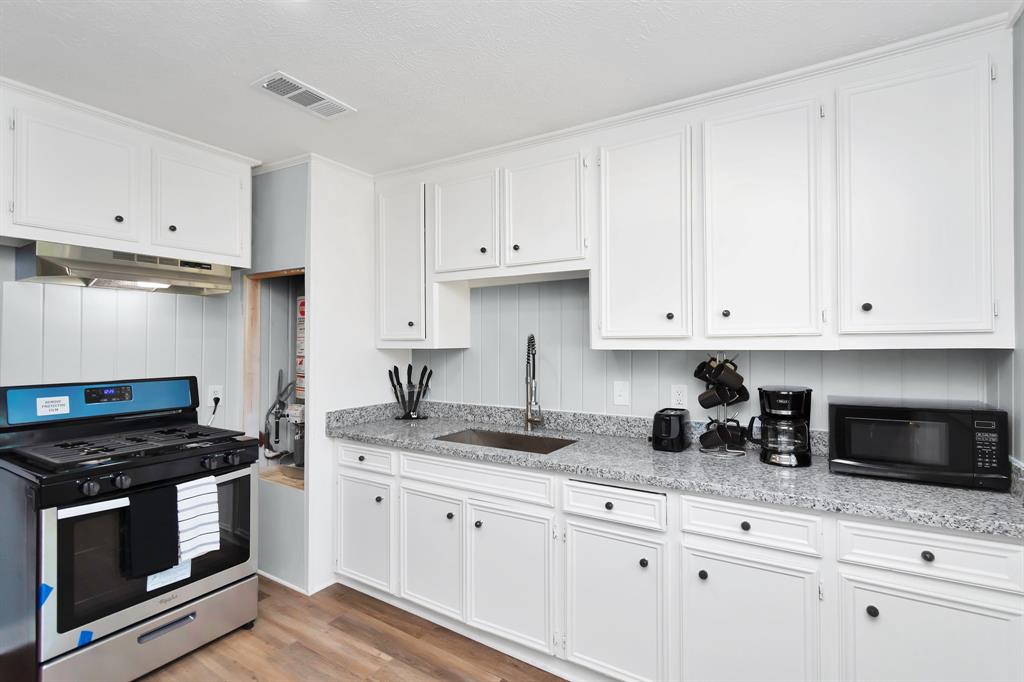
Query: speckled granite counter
[{"x": 631, "y": 460}]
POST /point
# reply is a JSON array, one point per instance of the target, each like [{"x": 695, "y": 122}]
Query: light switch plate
[
  {"x": 679, "y": 395},
  {"x": 620, "y": 393}
]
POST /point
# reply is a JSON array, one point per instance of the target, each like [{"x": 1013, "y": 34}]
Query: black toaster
[{"x": 671, "y": 430}]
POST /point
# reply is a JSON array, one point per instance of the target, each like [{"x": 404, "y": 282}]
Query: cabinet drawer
[
  {"x": 946, "y": 557},
  {"x": 511, "y": 484},
  {"x": 631, "y": 507},
  {"x": 776, "y": 528},
  {"x": 367, "y": 459}
]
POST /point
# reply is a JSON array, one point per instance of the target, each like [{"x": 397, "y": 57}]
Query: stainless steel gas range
[{"x": 77, "y": 462}]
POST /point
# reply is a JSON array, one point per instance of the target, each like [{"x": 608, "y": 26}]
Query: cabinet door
[
  {"x": 915, "y": 233},
  {"x": 432, "y": 560},
  {"x": 510, "y": 574},
  {"x": 400, "y": 283},
  {"x": 748, "y": 619},
  {"x": 364, "y": 543},
  {"x": 544, "y": 204},
  {"x": 466, "y": 223},
  {"x": 645, "y": 238},
  {"x": 200, "y": 201},
  {"x": 892, "y": 632},
  {"x": 761, "y": 221},
  {"x": 615, "y": 603},
  {"x": 76, "y": 173}
]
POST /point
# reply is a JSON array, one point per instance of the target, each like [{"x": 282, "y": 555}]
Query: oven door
[
  {"x": 84, "y": 594},
  {"x": 934, "y": 446}
]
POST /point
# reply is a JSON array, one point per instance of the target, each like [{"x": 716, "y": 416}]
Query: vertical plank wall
[
  {"x": 55, "y": 333},
  {"x": 572, "y": 376}
]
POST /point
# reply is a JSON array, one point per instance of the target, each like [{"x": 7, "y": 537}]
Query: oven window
[
  {"x": 899, "y": 442},
  {"x": 91, "y": 550}
]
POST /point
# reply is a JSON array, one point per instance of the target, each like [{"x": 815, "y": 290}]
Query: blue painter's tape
[
  {"x": 44, "y": 593},
  {"x": 84, "y": 637}
]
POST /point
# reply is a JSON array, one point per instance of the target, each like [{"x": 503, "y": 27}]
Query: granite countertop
[{"x": 632, "y": 460}]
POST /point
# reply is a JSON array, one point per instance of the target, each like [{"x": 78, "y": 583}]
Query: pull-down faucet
[{"x": 533, "y": 415}]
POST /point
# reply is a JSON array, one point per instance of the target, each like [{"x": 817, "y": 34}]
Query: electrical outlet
[
  {"x": 679, "y": 395},
  {"x": 215, "y": 391},
  {"x": 620, "y": 393}
]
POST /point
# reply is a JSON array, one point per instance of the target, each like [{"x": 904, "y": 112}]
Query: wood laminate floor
[{"x": 341, "y": 634}]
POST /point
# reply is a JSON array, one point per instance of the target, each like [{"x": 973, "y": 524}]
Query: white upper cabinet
[
  {"x": 761, "y": 221},
  {"x": 76, "y": 173},
  {"x": 544, "y": 211},
  {"x": 466, "y": 219},
  {"x": 201, "y": 203},
  {"x": 915, "y": 230},
  {"x": 645, "y": 238},
  {"x": 400, "y": 263}
]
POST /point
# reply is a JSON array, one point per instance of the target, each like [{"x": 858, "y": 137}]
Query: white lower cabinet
[
  {"x": 431, "y": 550},
  {"x": 364, "y": 539},
  {"x": 899, "y": 628},
  {"x": 615, "y": 619},
  {"x": 510, "y": 573},
  {"x": 761, "y": 602}
]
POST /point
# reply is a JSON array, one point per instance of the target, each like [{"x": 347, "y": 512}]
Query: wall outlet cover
[
  {"x": 214, "y": 391},
  {"x": 679, "y": 395},
  {"x": 620, "y": 393}
]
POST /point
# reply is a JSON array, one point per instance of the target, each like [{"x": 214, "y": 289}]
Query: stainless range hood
[{"x": 86, "y": 267}]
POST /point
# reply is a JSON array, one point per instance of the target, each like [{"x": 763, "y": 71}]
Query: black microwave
[{"x": 962, "y": 444}]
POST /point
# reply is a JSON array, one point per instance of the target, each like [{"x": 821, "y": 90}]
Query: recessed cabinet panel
[
  {"x": 645, "y": 239},
  {"x": 510, "y": 562},
  {"x": 915, "y": 232},
  {"x": 544, "y": 205},
  {"x": 400, "y": 264},
  {"x": 615, "y": 603},
  {"x": 761, "y": 221},
  {"x": 199, "y": 203},
  {"x": 76, "y": 173},
  {"x": 768, "y": 607},
  {"x": 890, "y": 632},
  {"x": 466, "y": 223},
  {"x": 431, "y": 553},
  {"x": 365, "y": 541}
]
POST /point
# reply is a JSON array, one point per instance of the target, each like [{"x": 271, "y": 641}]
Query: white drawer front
[
  {"x": 480, "y": 478},
  {"x": 946, "y": 557},
  {"x": 610, "y": 503},
  {"x": 366, "y": 458},
  {"x": 780, "y": 529}
]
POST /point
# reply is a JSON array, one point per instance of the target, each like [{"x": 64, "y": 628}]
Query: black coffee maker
[{"x": 785, "y": 426}]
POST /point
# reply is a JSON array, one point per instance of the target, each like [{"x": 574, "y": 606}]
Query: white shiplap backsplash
[
  {"x": 572, "y": 376},
  {"x": 51, "y": 333}
]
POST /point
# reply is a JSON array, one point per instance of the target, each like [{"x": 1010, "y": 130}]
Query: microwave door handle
[{"x": 94, "y": 508}]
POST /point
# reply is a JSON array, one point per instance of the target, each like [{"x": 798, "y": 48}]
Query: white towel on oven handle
[{"x": 198, "y": 518}]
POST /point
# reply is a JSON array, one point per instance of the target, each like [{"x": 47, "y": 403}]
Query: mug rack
[{"x": 728, "y": 446}]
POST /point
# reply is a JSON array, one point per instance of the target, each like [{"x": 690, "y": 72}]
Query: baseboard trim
[{"x": 284, "y": 583}]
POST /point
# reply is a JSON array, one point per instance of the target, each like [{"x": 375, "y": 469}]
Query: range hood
[{"x": 86, "y": 267}]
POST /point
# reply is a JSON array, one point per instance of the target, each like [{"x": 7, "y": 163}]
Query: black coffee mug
[
  {"x": 725, "y": 374},
  {"x": 715, "y": 396},
  {"x": 742, "y": 396},
  {"x": 704, "y": 370},
  {"x": 711, "y": 439}
]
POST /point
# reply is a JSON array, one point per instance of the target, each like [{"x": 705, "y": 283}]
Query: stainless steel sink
[{"x": 542, "y": 445}]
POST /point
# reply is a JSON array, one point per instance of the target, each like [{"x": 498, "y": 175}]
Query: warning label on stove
[{"x": 58, "y": 404}]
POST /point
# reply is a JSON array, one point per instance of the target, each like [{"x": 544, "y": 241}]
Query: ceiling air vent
[{"x": 302, "y": 95}]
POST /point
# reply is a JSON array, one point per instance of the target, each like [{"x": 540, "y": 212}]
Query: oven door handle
[{"x": 95, "y": 507}]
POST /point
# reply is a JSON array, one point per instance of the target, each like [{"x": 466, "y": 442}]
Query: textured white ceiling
[{"x": 430, "y": 78}]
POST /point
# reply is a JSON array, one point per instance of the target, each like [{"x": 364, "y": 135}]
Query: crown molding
[
  {"x": 991, "y": 24},
  {"x": 290, "y": 162},
  {"x": 1014, "y": 16},
  {"x": 117, "y": 118}
]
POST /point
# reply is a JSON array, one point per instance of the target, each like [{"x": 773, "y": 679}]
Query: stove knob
[
  {"x": 90, "y": 488},
  {"x": 122, "y": 481},
  {"x": 209, "y": 462},
  {"x": 233, "y": 458}
]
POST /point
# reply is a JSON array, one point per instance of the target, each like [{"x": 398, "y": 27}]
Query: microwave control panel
[{"x": 989, "y": 455}]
